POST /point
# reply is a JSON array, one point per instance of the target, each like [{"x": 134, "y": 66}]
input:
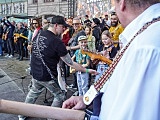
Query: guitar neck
[
  {"x": 94, "y": 56},
  {"x": 39, "y": 111}
]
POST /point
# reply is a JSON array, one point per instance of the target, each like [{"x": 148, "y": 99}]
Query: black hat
[
  {"x": 59, "y": 20},
  {"x": 96, "y": 21}
]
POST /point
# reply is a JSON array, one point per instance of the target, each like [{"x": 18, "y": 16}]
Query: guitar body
[
  {"x": 4, "y": 36},
  {"x": 15, "y": 39},
  {"x": 20, "y": 35}
]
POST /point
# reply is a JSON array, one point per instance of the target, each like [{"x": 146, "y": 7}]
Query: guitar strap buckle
[{"x": 90, "y": 95}]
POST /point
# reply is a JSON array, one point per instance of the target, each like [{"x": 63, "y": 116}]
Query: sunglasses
[
  {"x": 76, "y": 23},
  {"x": 34, "y": 23}
]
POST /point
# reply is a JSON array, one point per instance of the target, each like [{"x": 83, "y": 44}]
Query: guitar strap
[
  {"x": 41, "y": 57},
  {"x": 106, "y": 75},
  {"x": 61, "y": 80}
]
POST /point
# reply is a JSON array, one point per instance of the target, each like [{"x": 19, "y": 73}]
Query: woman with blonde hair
[{"x": 107, "y": 49}]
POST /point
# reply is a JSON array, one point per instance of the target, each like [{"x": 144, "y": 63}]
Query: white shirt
[{"x": 133, "y": 92}]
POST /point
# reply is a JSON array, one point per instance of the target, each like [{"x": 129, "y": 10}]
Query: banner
[{"x": 93, "y": 8}]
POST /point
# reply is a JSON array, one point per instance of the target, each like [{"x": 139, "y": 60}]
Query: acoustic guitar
[{"x": 98, "y": 56}]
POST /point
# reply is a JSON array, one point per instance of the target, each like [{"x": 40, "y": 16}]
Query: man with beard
[{"x": 116, "y": 29}]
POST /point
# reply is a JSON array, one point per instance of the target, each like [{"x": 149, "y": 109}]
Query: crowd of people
[
  {"x": 132, "y": 91},
  {"x": 133, "y": 75},
  {"x": 62, "y": 40},
  {"x": 15, "y": 37}
]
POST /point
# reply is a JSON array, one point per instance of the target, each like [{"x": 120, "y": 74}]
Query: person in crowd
[
  {"x": 133, "y": 92},
  {"x": 37, "y": 29},
  {"x": 84, "y": 60},
  {"x": 78, "y": 31},
  {"x": 108, "y": 50},
  {"x": 116, "y": 29},
  {"x": 96, "y": 32},
  {"x": 4, "y": 38},
  {"x": 73, "y": 42},
  {"x": 20, "y": 40},
  {"x": 9, "y": 38},
  {"x": 25, "y": 44},
  {"x": 45, "y": 24},
  {"x": 87, "y": 20},
  {"x": 30, "y": 33},
  {"x": 47, "y": 49},
  {"x": 106, "y": 23},
  {"x": 90, "y": 38},
  {"x": 66, "y": 36},
  {"x": 1, "y": 41}
]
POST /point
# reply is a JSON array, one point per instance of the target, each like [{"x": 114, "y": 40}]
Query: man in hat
[
  {"x": 84, "y": 60},
  {"x": 47, "y": 49}
]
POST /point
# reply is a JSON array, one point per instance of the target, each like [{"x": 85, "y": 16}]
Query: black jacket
[{"x": 10, "y": 29}]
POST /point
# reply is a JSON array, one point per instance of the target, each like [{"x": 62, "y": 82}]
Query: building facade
[
  {"x": 93, "y": 8},
  {"x": 47, "y": 8},
  {"x": 37, "y": 8},
  {"x": 13, "y": 8},
  {"x": 10, "y": 7}
]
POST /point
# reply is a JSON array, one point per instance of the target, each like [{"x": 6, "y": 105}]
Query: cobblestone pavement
[{"x": 16, "y": 70}]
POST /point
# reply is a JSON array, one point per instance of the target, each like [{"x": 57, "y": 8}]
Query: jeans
[
  {"x": 38, "y": 87},
  {"x": 101, "y": 69},
  {"x": 10, "y": 46},
  {"x": 82, "y": 82},
  {"x": 20, "y": 48}
]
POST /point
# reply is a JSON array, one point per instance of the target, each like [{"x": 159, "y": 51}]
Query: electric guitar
[
  {"x": 17, "y": 35},
  {"x": 98, "y": 56},
  {"x": 4, "y": 36}
]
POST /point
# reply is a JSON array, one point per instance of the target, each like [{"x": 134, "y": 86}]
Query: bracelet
[{"x": 87, "y": 70}]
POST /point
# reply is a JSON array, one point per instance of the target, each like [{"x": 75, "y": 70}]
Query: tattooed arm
[{"x": 67, "y": 59}]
